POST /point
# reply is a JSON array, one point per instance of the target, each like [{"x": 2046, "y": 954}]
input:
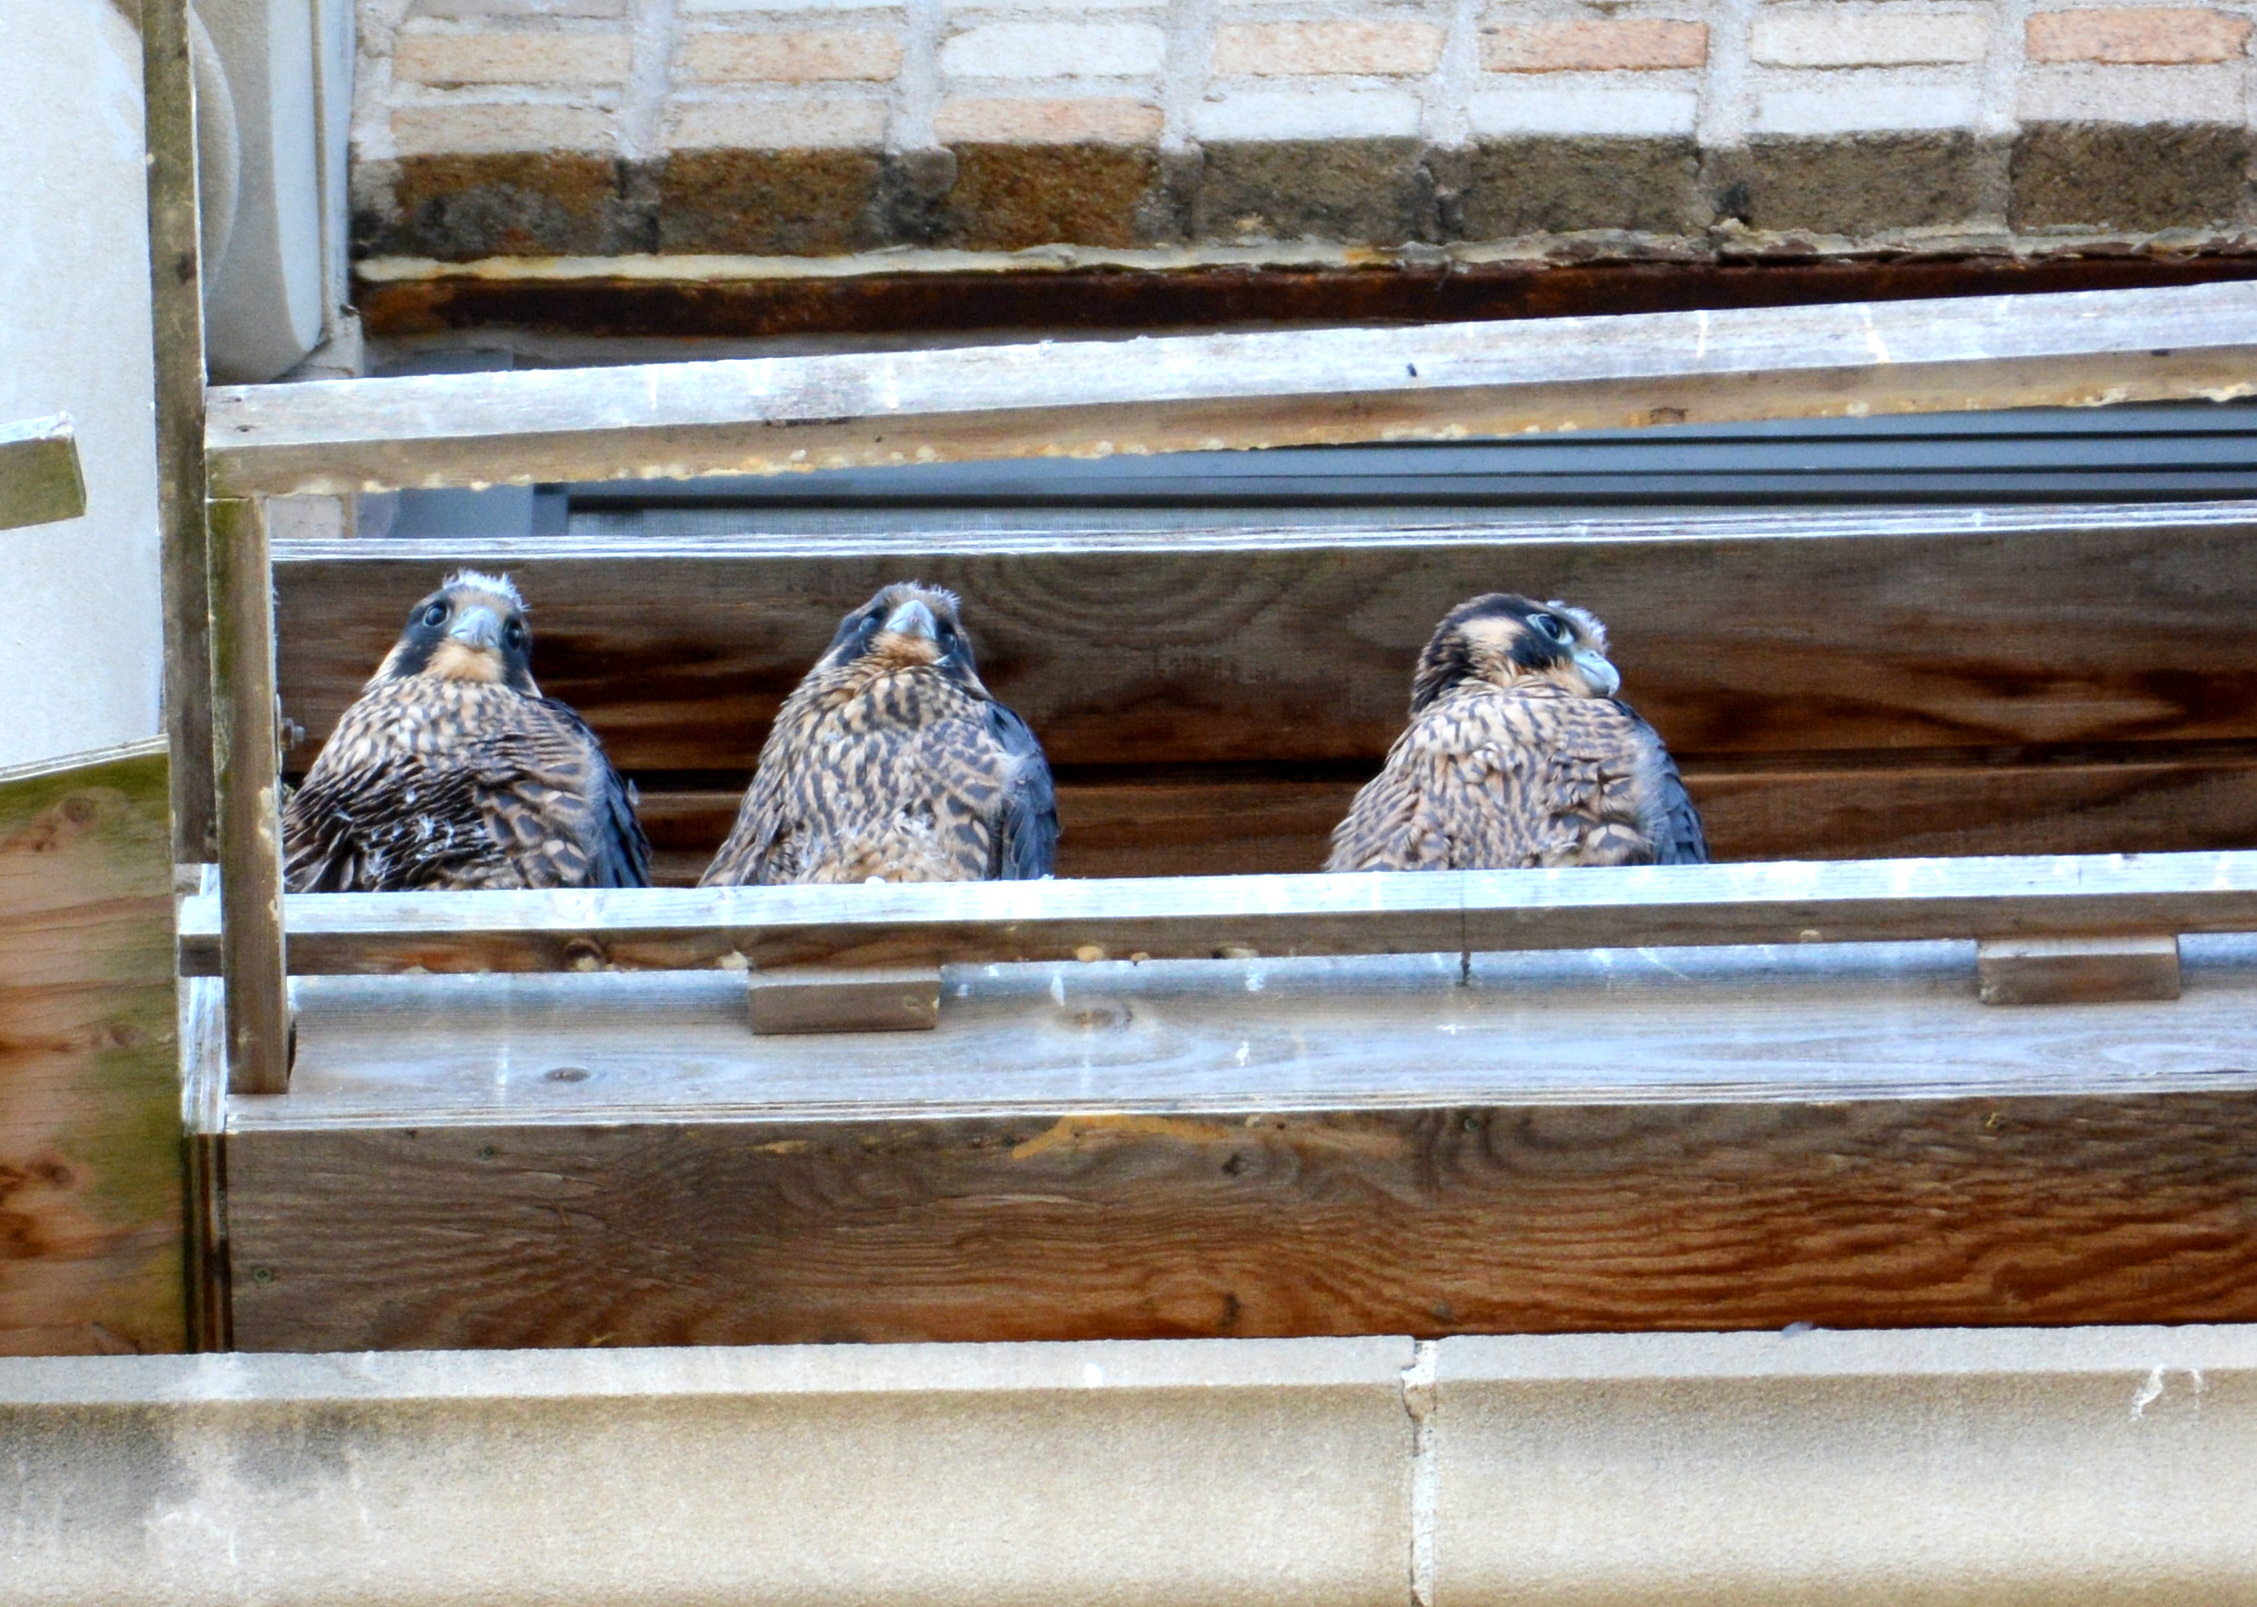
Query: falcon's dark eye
[
  {"x": 514, "y": 634},
  {"x": 435, "y": 615},
  {"x": 1552, "y": 627},
  {"x": 869, "y": 624}
]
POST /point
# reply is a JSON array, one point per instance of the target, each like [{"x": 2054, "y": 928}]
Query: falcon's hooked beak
[
  {"x": 913, "y": 618},
  {"x": 1605, "y": 679},
  {"x": 478, "y": 627}
]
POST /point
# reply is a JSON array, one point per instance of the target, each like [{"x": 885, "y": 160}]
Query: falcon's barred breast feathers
[
  {"x": 452, "y": 771},
  {"x": 1518, "y": 754},
  {"x": 891, "y": 761}
]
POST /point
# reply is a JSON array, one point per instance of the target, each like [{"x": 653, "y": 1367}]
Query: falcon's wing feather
[
  {"x": 752, "y": 837},
  {"x": 1681, "y": 839},
  {"x": 596, "y": 808},
  {"x": 550, "y": 796},
  {"x": 1026, "y": 828},
  {"x": 393, "y": 827},
  {"x": 533, "y": 804}
]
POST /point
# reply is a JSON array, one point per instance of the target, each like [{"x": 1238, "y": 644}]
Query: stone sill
[{"x": 1951, "y": 1465}]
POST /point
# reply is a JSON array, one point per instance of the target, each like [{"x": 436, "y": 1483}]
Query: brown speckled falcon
[
  {"x": 891, "y": 761},
  {"x": 452, "y": 771},
  {"x": 1519, "y": 754}
]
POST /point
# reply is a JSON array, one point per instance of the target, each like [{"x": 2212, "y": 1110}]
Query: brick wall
[{"x": 824, "y": 127}]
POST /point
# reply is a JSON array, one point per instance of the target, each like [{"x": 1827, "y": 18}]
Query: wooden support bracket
[
  {"x": 824, "y": 998},
  {"x": 250, "y": 795},
  {"x": 2077, "y": 970},
  {"x": 176, "y": 305}
]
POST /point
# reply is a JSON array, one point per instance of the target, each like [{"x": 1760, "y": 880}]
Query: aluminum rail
[
  {"x": 1236, "y": 916},
  {"x": 1211, "y": 392}
]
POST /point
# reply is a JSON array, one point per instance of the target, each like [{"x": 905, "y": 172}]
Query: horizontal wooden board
[
  {"x": 1204, "y": 392},
  {"x": 1198, "y": 917},
  {"x": 91, "y": 1222},
  {"x": 2141, "y": 802},
  {"x": 587, "y": 302},
  {"x": 1766, "y": 635},
  {"x": 40, "y": 480},
  {"x": 1670, "y": 1139},
  {"x": 1494, "y": 1219}
]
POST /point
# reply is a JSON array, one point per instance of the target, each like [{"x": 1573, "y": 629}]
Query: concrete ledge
[
  {"x": 2072, "y": 1465},
  {"x": 1206, "y": 1472}
]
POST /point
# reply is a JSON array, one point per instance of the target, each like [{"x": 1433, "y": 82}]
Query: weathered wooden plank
[
  {"x": 176, "y": 319},
  {"x": 2077, "y": 970},
  {"x": 1188, "y": 393},
  {"x": 1770, "y": 635},
  {"x": 1192, "y": 917},
  {"x": 1497, "y": 1219},
  {"x": 247, "y": 754},
  {"x": 90, "y": 1152},
  {"x": 1662, "y": 1140},
  {"x": 203, "y": 1111},
  {"x": 40, "y": 480},
  {"x": 2146, "y": 798},
  {"x": 817, "y": 998}
]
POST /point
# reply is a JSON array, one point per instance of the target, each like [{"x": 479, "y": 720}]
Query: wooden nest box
[{"x": 1917, "y": 1053}]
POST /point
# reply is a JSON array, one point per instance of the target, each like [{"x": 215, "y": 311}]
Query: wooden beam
[
  {"x": 818, "y": 998},
  {"x": 1722, "y": 1139},
  {"x": 1199, "y": 917},
  {"x": 1219, "y": 391},
  {"x": 502, "y": 295},
  {"x": 2077, "y": 970},
  {"x": 176, "y": 298},
  {"x": 250, "y": 943},
  {"x": 1189, "y": 821},
  {"x": 1771, "y": 634},
  {"x": 91, "y": 1258},
  {"x": 40, "y": 481}
]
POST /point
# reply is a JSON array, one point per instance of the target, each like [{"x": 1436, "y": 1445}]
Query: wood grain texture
[
  {"x": 90, "y": 1128},
  {"x": 40, "y": 480},
  {"x": 1668, "y": 1138},
  {"x": 2142, "y": 799},
  {"x": 1735, "y": 637},
  {"x": 1495, "y": 1219},
  {"x": 1202, "y": 917},
  {"x": 2077, "y": 970},
  {"x": 246, "y": 751},
  {"x": 176, "y": 320},
  {"x": 1205, "y": 392}
]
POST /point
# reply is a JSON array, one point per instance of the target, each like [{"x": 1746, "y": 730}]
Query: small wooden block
[
  {"x": 2077, "y": 970},
  {"x": 817, "y": 998}
]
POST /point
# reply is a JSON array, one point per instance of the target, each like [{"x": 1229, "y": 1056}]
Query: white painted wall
[{"x": 81, "y": 636}]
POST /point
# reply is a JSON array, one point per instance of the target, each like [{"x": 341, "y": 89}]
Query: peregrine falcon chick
[
  {"x": 1519, "y": 754},
  {"x": 452, "y": 771},
  {"x": 891, "y": 761}
]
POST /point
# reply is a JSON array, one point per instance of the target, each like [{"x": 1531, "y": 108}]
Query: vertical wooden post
[
  {"x": 176, "y": 297},
  {"x": 250, "y": 795}
]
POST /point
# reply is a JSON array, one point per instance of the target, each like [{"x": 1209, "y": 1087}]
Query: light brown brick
[
  {"x": 484, "y": 10},
  {"x": 487, "y": 130},
  {"x": 791, "y": 58},
  {"x": 768, "y": 125},
  {"x": 1636, "y": 45},
  {"x": 1275, "y": 49},
  {"x": 1830, "y": 37},
  {"x": 511, "y": 58},
  {"x": 1096, "y": 121},
  {"x": 2137, "y": 35}
]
